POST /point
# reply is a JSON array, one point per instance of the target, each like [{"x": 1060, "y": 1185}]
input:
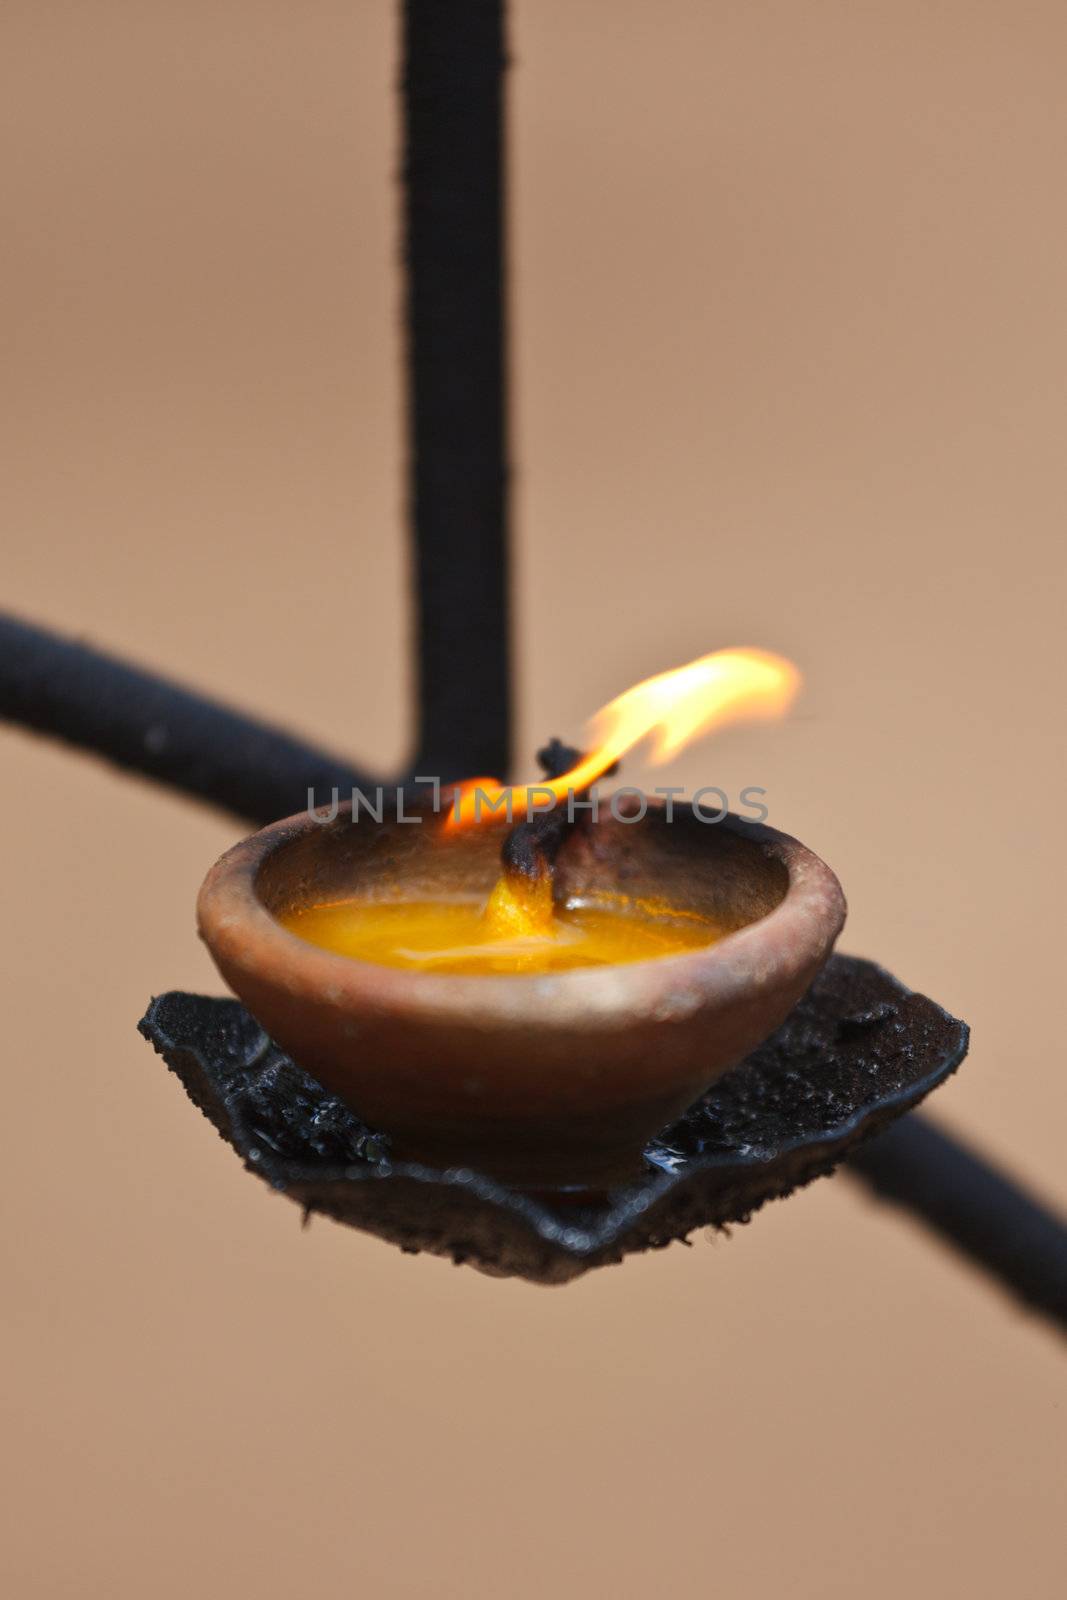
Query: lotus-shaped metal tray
[{"x": 856, "y": 1053}]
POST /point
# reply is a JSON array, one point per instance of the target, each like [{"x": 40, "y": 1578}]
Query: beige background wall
[{"x": 790, "y": 353}]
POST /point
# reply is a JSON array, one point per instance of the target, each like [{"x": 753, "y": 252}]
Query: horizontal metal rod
[
  {"x": 149, "y": 725},
  {"x": 984, "y": 1215}
]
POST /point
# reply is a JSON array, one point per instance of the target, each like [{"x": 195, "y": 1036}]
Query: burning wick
[
  {"x": 521, "y": 904},
  {"x": 521, "y": 928},
  {"x": 674, "y": 708}
]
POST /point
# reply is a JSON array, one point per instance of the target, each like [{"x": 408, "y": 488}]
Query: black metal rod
[
  {"x": 453, "y": 76},
  {"x": 984, "y": 1215},
  {"x": 149, "y": 725}
]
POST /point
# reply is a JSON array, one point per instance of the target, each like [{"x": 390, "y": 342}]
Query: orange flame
[{"x": 673, "y": 707}]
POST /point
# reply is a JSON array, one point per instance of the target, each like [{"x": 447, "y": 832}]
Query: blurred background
[{"x": 789, "y": 353}]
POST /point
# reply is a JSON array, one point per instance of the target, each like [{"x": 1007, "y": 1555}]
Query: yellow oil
[{"x": 456, "y": 936}]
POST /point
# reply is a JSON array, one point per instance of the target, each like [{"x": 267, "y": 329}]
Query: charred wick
[
  {"x": 557, "y": 758},
  {"x": 531, "y": 848}
]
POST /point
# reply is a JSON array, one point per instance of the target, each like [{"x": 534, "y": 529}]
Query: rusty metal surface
[{"x": 857, "y": 1052}]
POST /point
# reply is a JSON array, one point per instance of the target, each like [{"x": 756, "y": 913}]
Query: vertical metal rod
[{"x": 454, "y": 252}]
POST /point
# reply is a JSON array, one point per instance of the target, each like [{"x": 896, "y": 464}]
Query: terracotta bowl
[{"x": 543, "y": 1081}]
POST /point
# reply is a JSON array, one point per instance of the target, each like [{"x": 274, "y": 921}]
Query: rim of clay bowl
[{"x": 796, "y": 935}]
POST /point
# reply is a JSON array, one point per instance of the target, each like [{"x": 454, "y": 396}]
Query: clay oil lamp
[{"x": 532, "y": 983}]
